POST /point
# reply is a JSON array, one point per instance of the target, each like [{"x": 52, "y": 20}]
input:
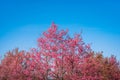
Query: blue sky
[{"x": 22, "y": 22}]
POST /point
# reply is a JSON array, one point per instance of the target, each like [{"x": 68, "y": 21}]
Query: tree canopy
[{"x": 59, "y": 57}]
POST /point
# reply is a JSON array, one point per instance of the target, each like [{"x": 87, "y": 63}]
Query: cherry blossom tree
[{"x": 59, "y": 57}]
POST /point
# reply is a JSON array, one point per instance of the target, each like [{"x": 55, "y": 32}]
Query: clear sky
[{"x": 22, "y": 22}]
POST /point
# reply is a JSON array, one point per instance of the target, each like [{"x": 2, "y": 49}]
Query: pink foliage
[{"x": 58, "y": 57}]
